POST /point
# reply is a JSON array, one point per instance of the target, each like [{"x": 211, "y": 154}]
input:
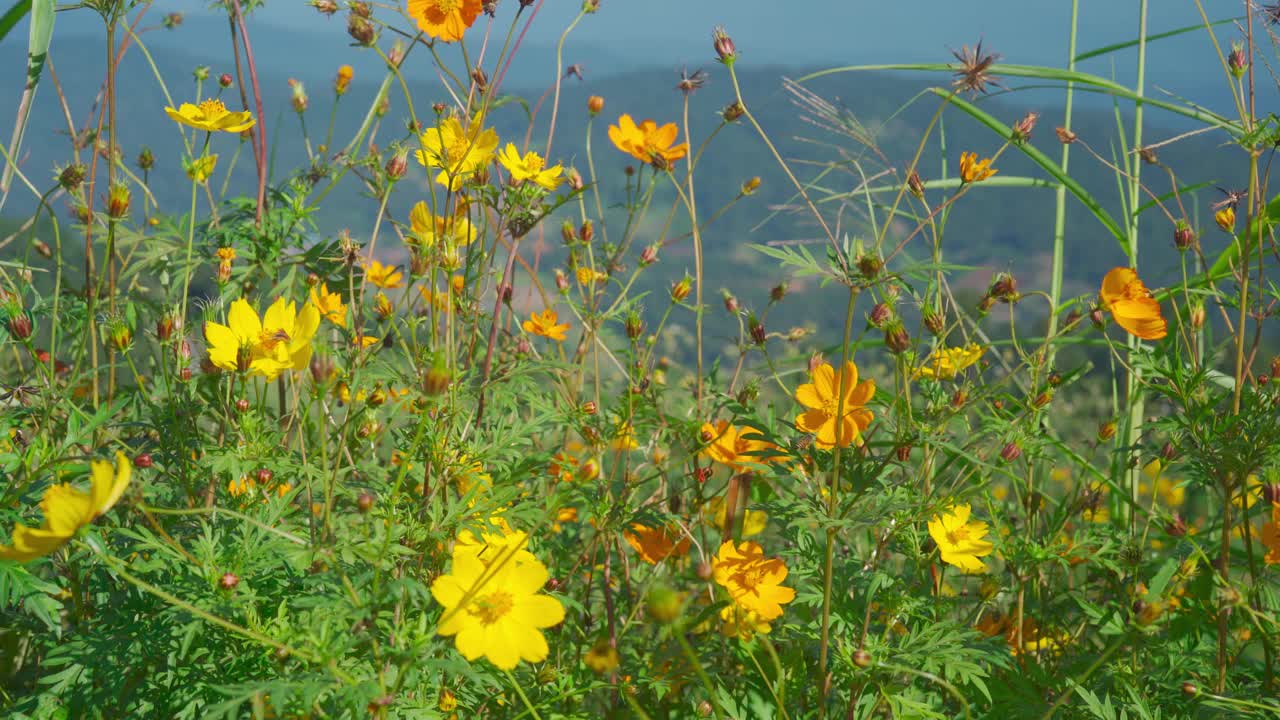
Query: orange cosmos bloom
[
  {"x": 445, "y": 20},
  {"x": 1131, "y": 304},
  {"x": 973, "y": 170},
  {"x": 656, "y": 544},
  {"x": 753, "y": 581},
  {"x": 647, "y": 142},
  {"x": 823, "y": 403},
  {"x": 544, "y": 324},
  {"x": 1271, "y": 537},
  {"x": 727, "y": 446}
]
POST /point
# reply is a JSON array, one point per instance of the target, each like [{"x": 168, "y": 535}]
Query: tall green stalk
[
  {"x": 1060, "y": 209},
  {"x": 1133, "y": 395}
]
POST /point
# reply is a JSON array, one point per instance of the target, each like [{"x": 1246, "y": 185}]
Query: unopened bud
[
  {"x": 756, "y": 329},
  {"x": 595, "y": 104},
  {"x": 915, "y": 185},
  {"x": 680, "y": 289},
  {"x": 1022, "y": 129},
  {"x": 730, "y": 304},
  {"x": 228, "y": 581},
  {"x": 880, "y": 314},
  {"x": 649, "y": 255},
  {"x": 1238, "y": 61},
  {"x": 118, "y": 201},
  {"x": 1065, "y": 136},
  {"x": 724, "y": 46},
  {"x": 1106, "y": 431},
  {"x": 751, "y": 185},
  {"x": 732, "y": 112},
  {"x": 143, "y": 461},
  {"x": 896, "y": 338},
  {"x": 1010, "y": 452},
  {"x": 397, "y": 165},
  {"x": 869, "y": 266}
]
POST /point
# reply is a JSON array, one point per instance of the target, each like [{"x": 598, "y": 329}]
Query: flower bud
[
  {"x": 756, "y": 330},
  {"x": 915, "y": 185},
  {"x": 242, "y": 405},
  {"x": 71, "y": 177},
  {"x": 589, "y": 407},
  {"x": 896, "y": 338},
  {"x": 143, "y": 461},
  {"x": 869, "y": 266},
  {"x": 360, "y": 29},
  {"x": 903, "y": 452},
  {"x": 225, "y": 80},
  {"x": 730, "y": 303},
  {"x": 201, "y": 72},
  {"x": 680, "y": 289},
  {"x": 364, "y": 502},
  {"x": 595, "y": 104},
  {"x": 879, "y": 315},
  {"x": 751, "y": 185},
  {"x": 664, "y": 604},
  {"x": 343, "y": 79},
  {"x": 172, "y": 20},
  {"x": 1226, "y": 219},
  {"x": 228, "y": 581},
  {"x": 1010, "y": 452},
  {"x": 1022, "y": 129},
  {"x": 324, "y": 7},
  {"x": 20, "y": 325},
  {"x": 733, "y": 111},
  {"x": 397, "y": 165},
  {"x": 649, "y": 255},
  {"x": 480, "y": 78},
  {"x": 146, "y": 159},
  {"x": 1004, "y": 288},
  {"x": 958, "y": 399},
  {"x": 1238, "y": 61},
  {"x": 1106, "y": 431},
  {"x": 724, "y": 46},
  {"x": 934, "y": 322},
  {"x": 1168, "y": 452},
  {"x": 862, "y": 658},
  {"x": 1065, "y": 136},
  {"x": 634, "y": 325},
  {"x": 588, "y": 231},
  {"x": 562, "y": 282},
  {"x": 118, "y": 201},
  {"x": 1176, "y": 527},
  {"x": 1197, "y": 316}
]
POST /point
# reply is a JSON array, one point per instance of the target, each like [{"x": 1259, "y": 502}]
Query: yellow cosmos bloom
[
  {"x": 947, "y": 363},
  {"x": 329, "y": 305},
  {"x": 972, "y": 170},
  {"x": 647, "y": 142},
  {"x": 961, "y": 541},
  {"x": 459, "y": 152},
  {"x": 387, "y": 277},
  {"x": 429, "y": 229},
  {"x": 602, "y": 658},
  {"x": 67, "y": 509},
  {"x": 495, "y": 541},
  {"x": 496, "y": 611},
  {"x": 211, "y": 116},
  {"x": 200, "y": 169},
  {"x": 655, "y": 544},
  {"x": 343, "y": 79},
  {"x": 529, "y": 167},
  {"x": 752, "y": 580},
  {"x": 1131, "y": 304},
  {"x": 1226, "y": 218},
  {"x": 624, "y": 437},
  {"x": 821, "y": 397},
  {"x": 742, "y": 623},
  {"x": 445, "y": 20},
  {"x": 727, "y": 446},
  {"x": 280, "y": 340},
  {"x": 544, "y": 324},
  {"x": 753, "y": 521},
  {"x": 586, "y": 275}
]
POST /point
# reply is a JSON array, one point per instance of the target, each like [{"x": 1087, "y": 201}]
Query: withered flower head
[
  {"x": 974, "y": 73},
  {"x": 691, "y": 81},
  {"x": 575, "y": 70}
]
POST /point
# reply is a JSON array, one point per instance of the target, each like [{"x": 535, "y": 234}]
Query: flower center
[
  {"x": 958, "y": 536},
  {"x": 533, "y": 163},
  {"x": 448, "y": 6},
  {"x": 270, "y": 338},
  {"x": 492, "y": 607},
  {"x": 213, "y": 108}
]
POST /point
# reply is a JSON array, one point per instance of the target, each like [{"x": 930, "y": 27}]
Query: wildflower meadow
[{"x": 448, "y": 386}]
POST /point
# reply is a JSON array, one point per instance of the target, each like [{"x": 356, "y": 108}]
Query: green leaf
[
  {"x": 1158, "y": 36},
  {"x": 13, "y": 16}
]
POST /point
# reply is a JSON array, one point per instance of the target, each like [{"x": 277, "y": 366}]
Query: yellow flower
[
  {"x": 647, "y": 142},
  {"x": 428, "y": 228},
  {"x": 279, "y": 341},
  {"x": 821, "y": 397},
  {"x": 1271, "y": 537},
  {"x": 1226, "y": 218},
  {"x": 241, "y": 486},
  {"x": 211, "y": 116},
  {"x": 742, "y": 623},
  {"x": 753, "y": 581},
  {"x": 343, "y": 79},
  {"x": 199, "y": 170},
  {"x": 946, "y": 363},
  {"x": 727, "y": 446},
  {"x": 544, "y": 324},
  {"x": 496, "y": 611},
  {"x": 602, "y": 658},
  {"x": 624, "y": 437},
  {"x": 382, "y": 306},
  {"x": 226, "y": 254},
  {"x": 753, "y": 521},
  {"x": 1250, "y": 494},
  {"x": 445, "y": 20},
  {"x": 529, "y": 167},
  {"x": 657, "y": 543},
  {"x": 586, "y": 275},
  {"x": 961, "y": 541},
  {"x": 1131, "y": 304},
  {"x": 387, "y": 277},
  {"x": 67, "y": 509},
  {"x": 329, "y": 305},
  {"x": 458, "y": 152},
  {"x": 497, "y": 542},
  {"x": 972, "y": 170}
]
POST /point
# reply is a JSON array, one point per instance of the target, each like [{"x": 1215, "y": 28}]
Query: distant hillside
[{"x": 998, "y": 228}]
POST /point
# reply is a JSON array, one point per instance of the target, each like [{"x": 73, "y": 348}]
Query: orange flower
[
  {"x": 445, "y": 20},
  {"x": 727, "y": 446},
  {"x": 647, "y": 142},
  {"x": 1131, "y": 304},
  {"x": 821, "y": 397},
  {"x": 544, "y": 324},
  {"x": 1271, "y": 537},
  {"x": 972, "y": 170},
  {"x": 656, "y": 544}
]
